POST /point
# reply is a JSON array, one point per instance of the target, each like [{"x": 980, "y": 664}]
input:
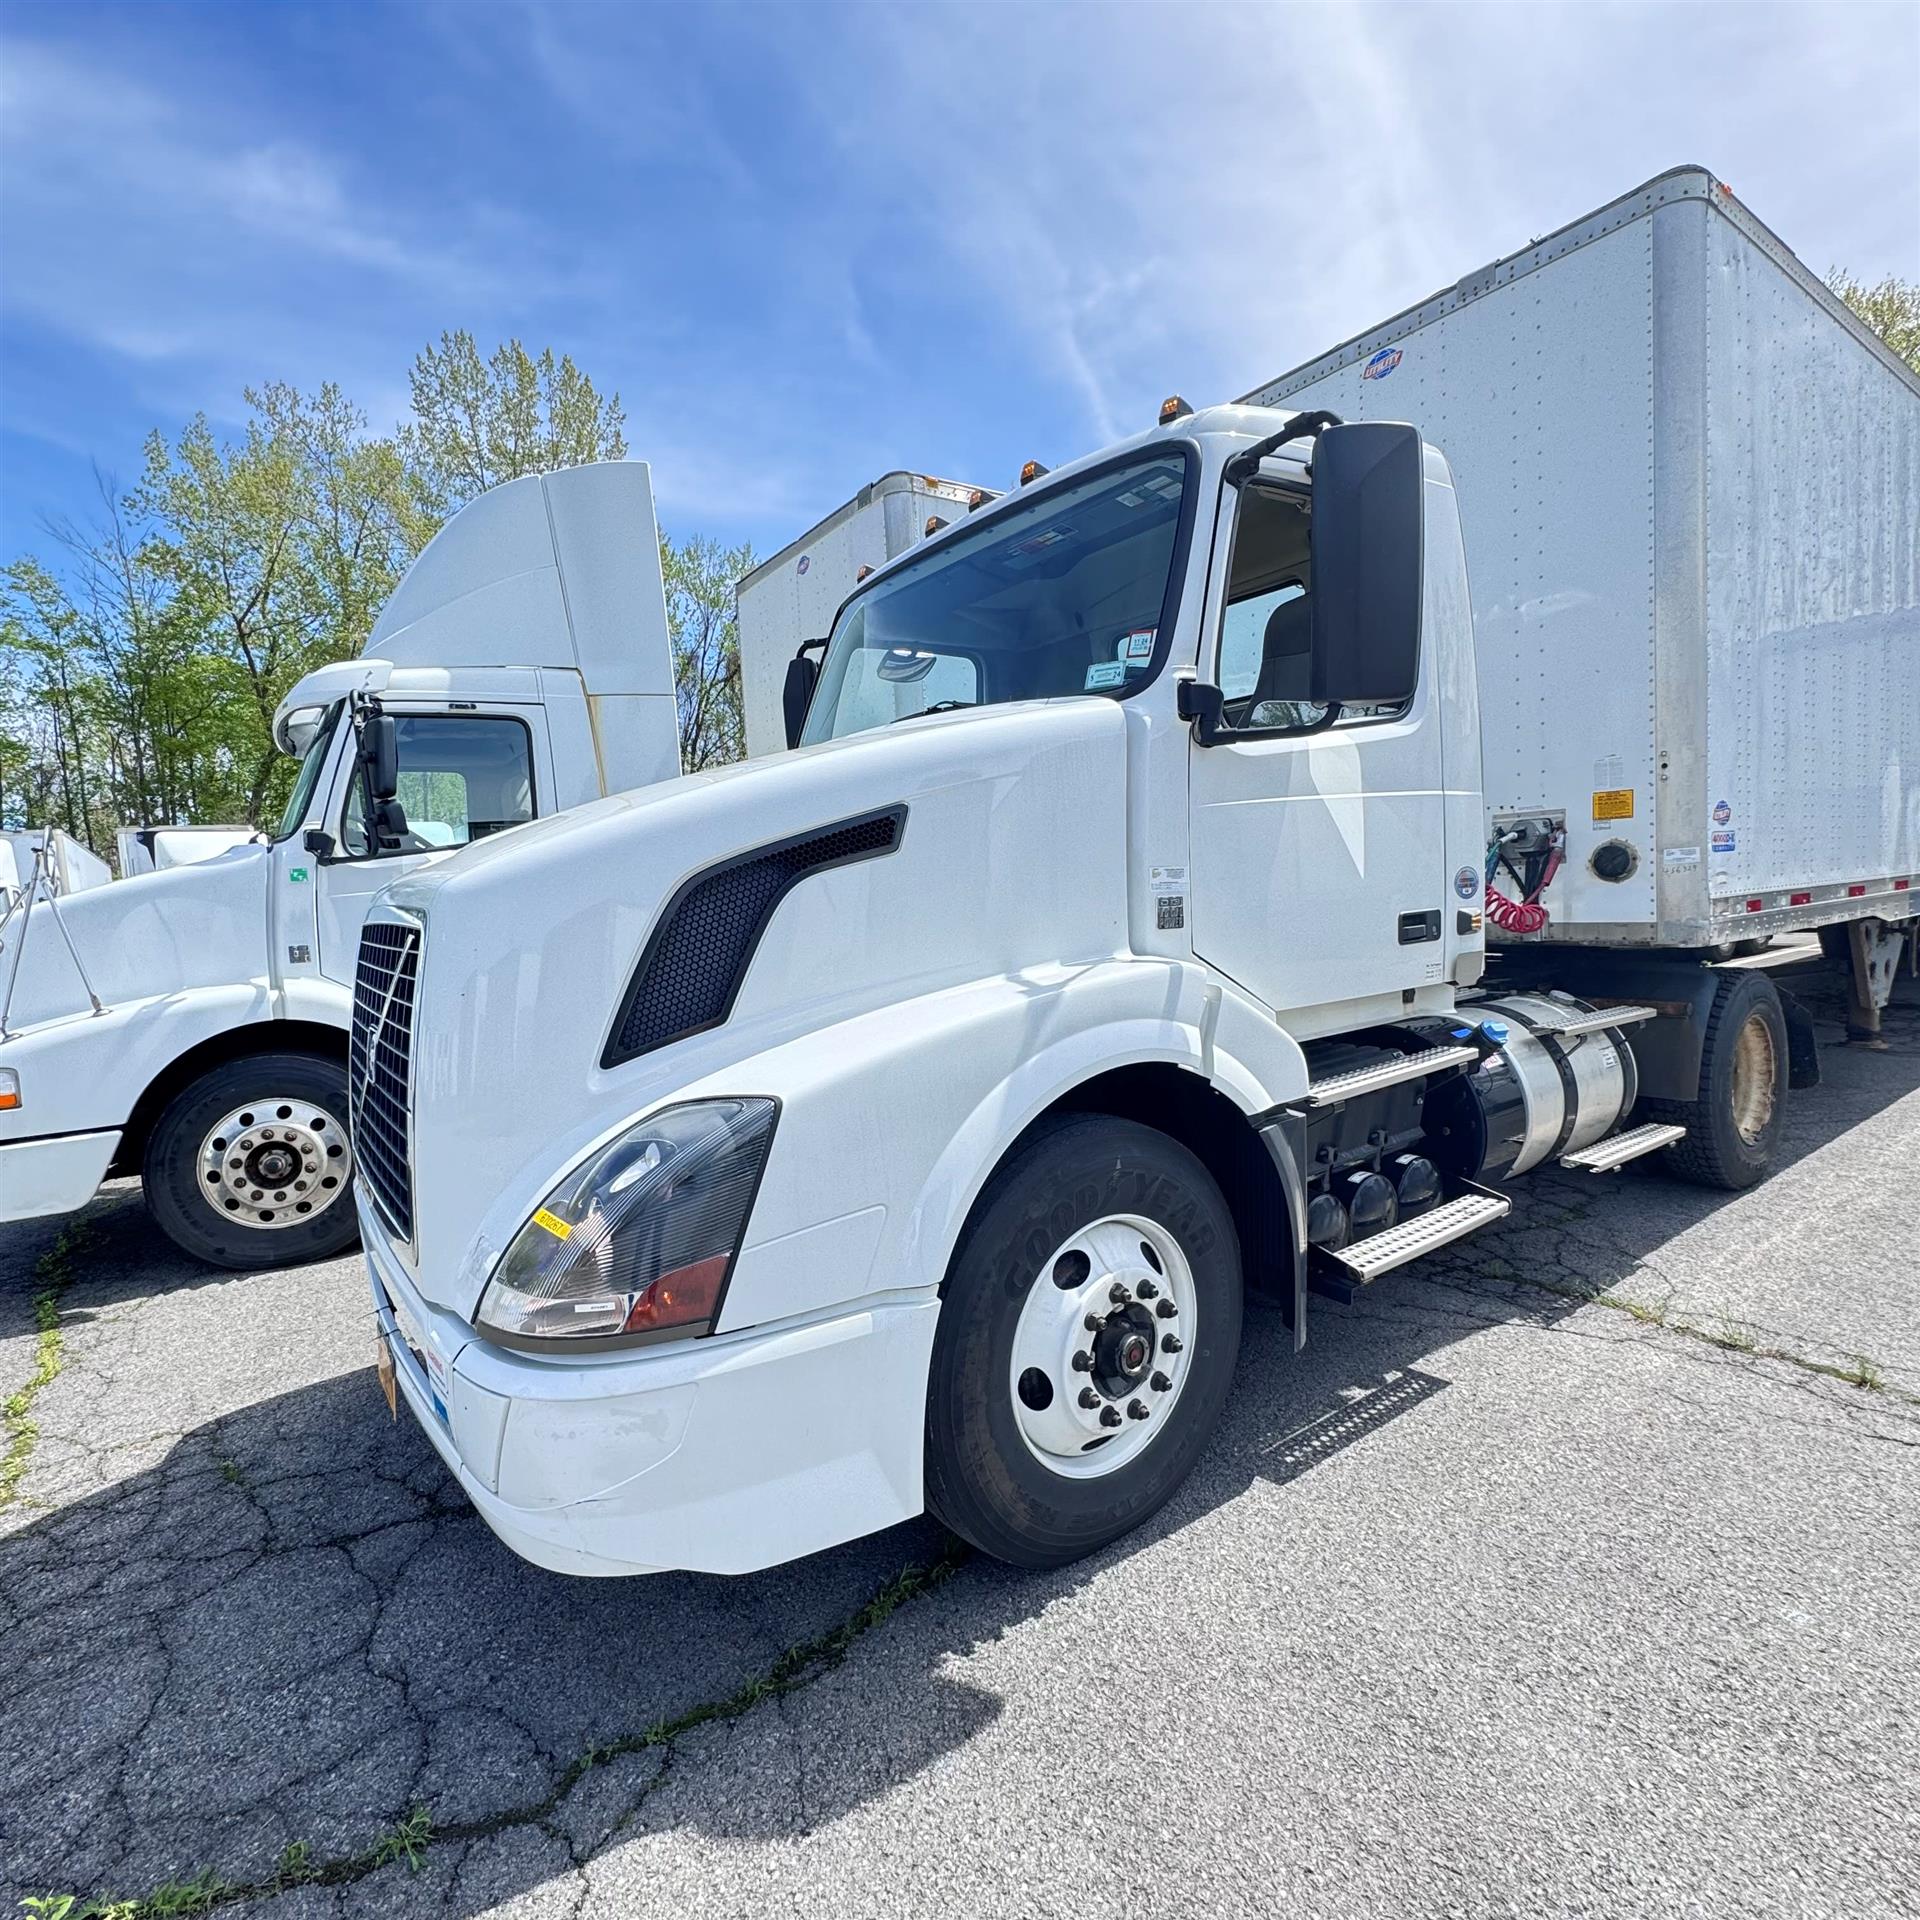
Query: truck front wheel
[
  {"x": 249, "y": 1166},
  {"x": 1735, "y": 1123},
  {"x": 1087, "y": 1337}
]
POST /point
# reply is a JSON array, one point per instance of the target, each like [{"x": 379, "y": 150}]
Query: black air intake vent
[
  {"x": 380, "y": 1067},
  {"x": 699, "y": 950}
]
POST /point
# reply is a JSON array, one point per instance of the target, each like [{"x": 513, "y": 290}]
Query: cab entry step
[
  {"x": 1380, "y": 1253},
  {"x": 1386, "y": 1073},
  {"x": 1604, "y": 1155}
]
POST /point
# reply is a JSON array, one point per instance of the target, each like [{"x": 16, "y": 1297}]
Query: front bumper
[
  {"x": 722, "y": 1455},
  {"x": 54, "y": 1175}
]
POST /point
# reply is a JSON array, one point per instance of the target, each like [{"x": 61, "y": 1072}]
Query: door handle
[{"x": 1415, "y": 927}]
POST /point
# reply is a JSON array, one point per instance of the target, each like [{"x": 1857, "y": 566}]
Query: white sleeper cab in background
[{"x": 189, "y": 1023}]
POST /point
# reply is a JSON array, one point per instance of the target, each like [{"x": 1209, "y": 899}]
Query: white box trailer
[
  {"x": 793, "y": 596},
  {"x": 1689, "y": 482},
  {"x": 72, "y": 867}
]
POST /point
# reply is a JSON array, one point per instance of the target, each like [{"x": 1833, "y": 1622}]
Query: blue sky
[{"x": 810, "y": 243}]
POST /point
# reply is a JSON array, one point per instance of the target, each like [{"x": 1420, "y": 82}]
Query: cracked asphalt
[{"x": 1492, "y": 1601}]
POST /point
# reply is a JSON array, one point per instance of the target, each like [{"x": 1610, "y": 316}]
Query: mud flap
[{"x": 1803, "y": 1051}]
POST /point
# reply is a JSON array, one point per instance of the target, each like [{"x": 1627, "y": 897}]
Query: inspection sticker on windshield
[
  {"x": 1138, "y": 645},
  {"x": 1106, "y": 673}
]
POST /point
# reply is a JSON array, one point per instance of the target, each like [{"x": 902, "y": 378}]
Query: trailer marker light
[
  {"x": 1799, "y": 899},
  {"x": 1756, "y": 906},
  {"x": 1855, "y": 892},
  {"x": 9, "y": 1090},
  {"x": 1900, "y": 886},
  {"x": 1173, "y": 408}
]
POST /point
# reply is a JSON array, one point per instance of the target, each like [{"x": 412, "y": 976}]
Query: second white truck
[{"x": 189, "y": 1024}]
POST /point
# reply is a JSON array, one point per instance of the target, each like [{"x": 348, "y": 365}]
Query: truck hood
[
  {"x": 144, "y": 937},
  {"x": 530, "y": 942}
]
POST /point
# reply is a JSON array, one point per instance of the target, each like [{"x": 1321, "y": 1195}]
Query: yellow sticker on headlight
[{"x": 560, "y": 1229}]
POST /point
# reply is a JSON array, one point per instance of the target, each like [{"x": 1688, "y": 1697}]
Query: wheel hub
[
  {"x": 1098, "y": 1352},
  {"x": 275, "y": 1163}
]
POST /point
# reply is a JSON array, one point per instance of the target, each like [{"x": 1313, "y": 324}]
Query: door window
[
  {"x": 462, "y": 777},
  {"x": 1266, "y": 635}
]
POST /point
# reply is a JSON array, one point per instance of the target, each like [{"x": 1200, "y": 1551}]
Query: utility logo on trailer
[
  {"x": 1722, "y": 813},
  {"x": 806, "y": 560},
  {"x": 1382, "y": 364}
]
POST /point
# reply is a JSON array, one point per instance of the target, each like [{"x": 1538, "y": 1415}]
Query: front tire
[
  {"x": 249, "y": 1166},
  {"x": 1087, "y": 1339}
]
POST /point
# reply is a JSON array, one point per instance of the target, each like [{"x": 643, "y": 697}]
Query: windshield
[
  {"x": 304, "y": 782},
  {"x": 1065, "y": 595}
]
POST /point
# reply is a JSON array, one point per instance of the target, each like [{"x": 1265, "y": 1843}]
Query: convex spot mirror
[{"x": 1368, "y": 563}]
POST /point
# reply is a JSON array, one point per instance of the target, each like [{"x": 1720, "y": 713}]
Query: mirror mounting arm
[
  {"x": 1202, "y": 705},
  {"x": 1303, "y": 426}
]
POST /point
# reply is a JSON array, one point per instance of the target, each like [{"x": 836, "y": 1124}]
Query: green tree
[
  {"x": 479, "y": 423},
  {"x": 701, "y": 617},
  {"x": 1891, "y": 309}
]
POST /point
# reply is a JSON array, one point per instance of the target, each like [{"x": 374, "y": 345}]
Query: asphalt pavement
[{"x": 1577, "y": 1571}]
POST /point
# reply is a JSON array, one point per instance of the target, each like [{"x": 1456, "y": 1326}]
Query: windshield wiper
[{"x": 939, "y": 706}]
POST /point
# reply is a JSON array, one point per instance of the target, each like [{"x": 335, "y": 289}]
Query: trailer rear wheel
[
  {"x": 1734, "y": 1125},
  {"x": 1087, "y": 1338},
  {"x": 249, "y": 1166}
]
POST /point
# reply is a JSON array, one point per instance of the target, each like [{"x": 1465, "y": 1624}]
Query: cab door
[
  {"x": 463, "y": 775},
  {"x": 1318, "y": 827}
]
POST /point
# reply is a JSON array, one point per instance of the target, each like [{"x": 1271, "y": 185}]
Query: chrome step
[
  {"x": 1380, "y": 1253},
  {"x": 1576, "y": 1021},
  {"x": 1604, "y": 1155},
  {"x": 1386, "y": 1073}
]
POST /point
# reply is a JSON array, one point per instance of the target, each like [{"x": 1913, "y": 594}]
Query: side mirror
[
  {"x": 380, "y": 756},
  {"x": 1368, "y": 542},
  {"x": 803, "y": 675}
]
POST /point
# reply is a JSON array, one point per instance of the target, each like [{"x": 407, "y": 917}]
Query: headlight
[{"x": 640, "y": 1239}]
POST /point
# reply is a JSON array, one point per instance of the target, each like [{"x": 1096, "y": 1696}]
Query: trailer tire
[
  {"x": 1735, "y": 1123},
  {"x": 1092, "y": 1219},
  {"x": 301, "y": 1102}
]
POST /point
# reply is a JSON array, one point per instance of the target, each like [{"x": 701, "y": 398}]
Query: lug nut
[
  {"x": 1136, "y": 1409},
  {"x": 1109, "y": 1416},
  {"x": 1083, "y": 1361},
  {"x": 1166, "y": 1309},
  {"x": 1171, "y": 1343},
  {"x": 1118, "y": 1294},
  {"x": 1093, "y": 1323},
  {"x": 1089, "y": 1399},
  {"x": 1160, "y": 1383},
  {"x": 1147, "y": 1290}
]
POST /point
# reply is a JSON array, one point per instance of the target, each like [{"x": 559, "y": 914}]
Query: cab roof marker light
[
  {"x": 1031, "y": 472},
  {"x": 933, "y": 526},
  {"x": 1173, "y": 408},
  {"x": 865, "y": 569},
  {"x": 977, "y": 499}
]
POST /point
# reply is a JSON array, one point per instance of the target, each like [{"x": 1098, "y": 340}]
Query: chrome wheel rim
[
  {"x": 1754, "y": 1067},
  {"x": 1102, "y": 1348},
  {"x": 274, "y": 1163}
]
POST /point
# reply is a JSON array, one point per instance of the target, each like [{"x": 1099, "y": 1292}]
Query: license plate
[{"x": 389, "y": 1382}]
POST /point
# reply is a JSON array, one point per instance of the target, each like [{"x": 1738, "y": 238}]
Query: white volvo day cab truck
[
  {"x": 895, "y": 1123},
  {"x": 189, "y": 1023}
]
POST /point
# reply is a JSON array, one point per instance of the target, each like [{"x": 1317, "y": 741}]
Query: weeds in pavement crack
[
  {"x": 18, "y": 1430},
  {"x": 415, "y": 1835}
]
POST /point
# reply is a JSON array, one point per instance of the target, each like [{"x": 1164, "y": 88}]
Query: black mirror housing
[
  {"x": 1369, "y": 563},
  {"x": 797, "y": 695},
  {"x": 380, "y": 756}
]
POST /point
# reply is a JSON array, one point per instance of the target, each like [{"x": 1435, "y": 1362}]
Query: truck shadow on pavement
[{"x": 285, "y": 1627}]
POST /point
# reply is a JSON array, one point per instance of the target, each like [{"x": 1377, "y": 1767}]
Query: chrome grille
[{"x": 379, "y": 1067}]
